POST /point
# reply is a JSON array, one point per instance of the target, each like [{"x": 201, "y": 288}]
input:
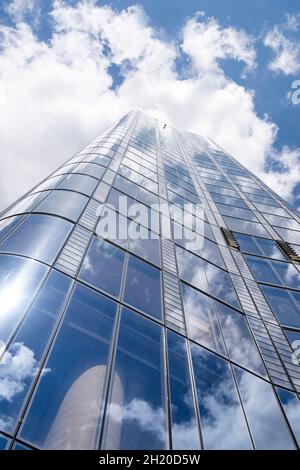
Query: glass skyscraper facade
[{"x": 150, "y": 342}]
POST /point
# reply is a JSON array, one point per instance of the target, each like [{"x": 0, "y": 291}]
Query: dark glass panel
[
  {"x": 282, "y": 305},
  {"x": 291, "y": 405}
]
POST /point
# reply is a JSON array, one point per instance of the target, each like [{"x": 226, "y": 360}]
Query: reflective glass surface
[
  {"x": 201, "y": 319},
  {"x": 67, "y": 204},
  {"x": 39, "y": 236},
  {"x": 143, "y": 287},
  {"x": 28, "y": 347},
  {"x": 266, "y": 421},
  {"x": 222, "y": 419},
  {"x": 238, "y": 339},
  {"x": 19, "y": 280},
  {"x": 136, "y": 415},
  {"x": 68, "y": 400},
  {"x": 102, "y": 258},
  {"x": 283, "y": 306},
  {"x": 81, "y": 183},
  {"x": 7, "y": 225},
  {"x": 185, "y": 433},
  {"x": 291, "y": 405}
]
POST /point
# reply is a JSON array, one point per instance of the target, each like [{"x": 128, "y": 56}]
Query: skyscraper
[{"x": 128, "y": 324}]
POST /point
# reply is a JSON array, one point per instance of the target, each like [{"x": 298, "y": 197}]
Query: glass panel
[
  {"x": 90, "y": 169},
  {"x": 191, "y": 269},
  {"x": 39, "y": 236},
  {"x": 64, "y": 203},
  {"x": 20, "y": 363},
  {"x": 244, "y": 226},
  {"x": 269, "y": 248},
  {"x": 236, "y": 212},
  {"x": 146, "y": 197},
  {"x": 290, "y": 236},
  {"x": 266, "y": 421},
  {"x": 262, "y": 270},
  {"x": 3, "y": 442},
  {"x": 99, "y": 159},
  {"x": 19, "y": 446},
  {"x": 222, "y": 420},
  {"x": 136, "y": 416},
  {"x": 7, "y": 225},
  {"x": 220, "y": 284},
  {"x": 146, "y": 247},
  {"x": 68, "y": 402},
  {"x": 202, "y": 322},
  {"x": 81, "y": 183},
  {"x": 143, "y": 287},
  {"x": 185, "y": 433},
  {"x": 282, "y": 222},
  {"x": 19, "y": 280},
  {"x": 247, "y": 244},
  {"x": 125, "y": 185},
  {"x": 113, "y": 226},
  {"x": 287, "y": 273},
  {"x": 291, "y": 405},
  {"x": 282, "y": 305},
  {"x": 103, "y": 258},
  {"x": 26, "y": 204},
  {"x": 238, "y": 339},
  {"x": 231, "y": 201}
]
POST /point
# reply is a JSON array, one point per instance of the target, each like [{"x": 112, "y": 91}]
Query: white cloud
[
  {"x": 207, "y": 43},
  {"x": 286, "y": 51},
  {"x": 19, "y": 10},
  {"x": 56, "y": 96}
]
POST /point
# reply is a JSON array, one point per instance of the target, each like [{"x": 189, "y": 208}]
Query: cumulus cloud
[
  {"x": 207, "y": 43},
  {"x": 286, "y": 51},
  {"x": 57, "y": 95}
]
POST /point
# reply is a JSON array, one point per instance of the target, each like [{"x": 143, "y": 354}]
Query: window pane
[
  {"x": 27, "y": 204},
  {"x": 90, "y": 169},
  {"x": 232, "y": 201},
  {"x": 68, "y": 400},
  {"x": 185, "y": 433},
  {"x": 244, "y": 226},
  {"x": 143, "y": 287},
  {"x": 81, "y": 183},
  {"x": 287, "y": 273},
  {"x": 222, "y": 420},
  {"x": 247, "y": 244},
  {"x": 39, "y": 236},
  {"x": 291, "y": 406},
  {"x": 3, "y": 442},
  {"x": 136, "y": 416},
  {"x": 7, "y": 225},
  {"x": 282, "y": 305},
  {"x": 19, "y": 280},
  {"x": 266, "y": 421},
  {"x": 146, "y": 247},
  {"x": 28, "y": 346},
  {"x": 236, "y": 212},
  {"x": 238, "y": 339},
  {"x": 262, "y": 270},
  {"x": 201, "y": 319},
  {"x": 220, "y": 284},
  {"x": 269, "y": 248},
  {"x": 191, "y": 269},
  {"x": 103, "y": 258},
  {"x": 64, "y": 203}
]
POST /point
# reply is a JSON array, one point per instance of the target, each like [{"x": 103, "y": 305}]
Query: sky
[{"x": 228, "y": 70}]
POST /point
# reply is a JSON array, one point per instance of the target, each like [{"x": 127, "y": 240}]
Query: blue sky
[{"x": 105, "y": 57}]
